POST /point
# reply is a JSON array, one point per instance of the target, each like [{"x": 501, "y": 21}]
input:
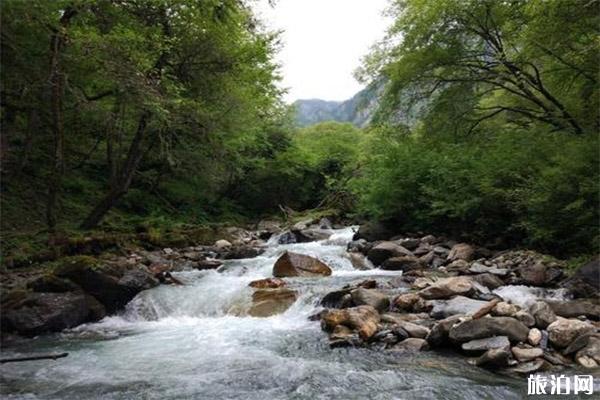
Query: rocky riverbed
[{"x": 313, "y": 310}]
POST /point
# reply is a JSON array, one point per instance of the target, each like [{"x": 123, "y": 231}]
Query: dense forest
[{"x": 141, "y": 116}]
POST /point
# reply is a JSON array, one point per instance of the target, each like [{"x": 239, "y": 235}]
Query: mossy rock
[
  {"x": 50, "y": 283},
  {"x": 71, "y": 265},
  {"x": 12, "y": 298}
]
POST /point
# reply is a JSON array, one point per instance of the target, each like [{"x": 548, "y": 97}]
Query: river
[{"x": 186, "y": 342}]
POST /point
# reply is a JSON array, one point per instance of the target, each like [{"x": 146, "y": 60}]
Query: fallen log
[{"x": 33, "y": 358}]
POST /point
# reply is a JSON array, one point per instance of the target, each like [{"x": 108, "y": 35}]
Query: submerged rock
[
  {"x": 267, "y": 283},
  {"x": 267, "y": 302},
  {"x": 294, "y": 264}
]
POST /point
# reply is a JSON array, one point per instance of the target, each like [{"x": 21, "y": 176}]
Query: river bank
[{"x": 207, "y": 334}]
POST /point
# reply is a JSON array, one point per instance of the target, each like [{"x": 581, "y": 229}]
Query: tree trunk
[{"x": 56, "y": 81}]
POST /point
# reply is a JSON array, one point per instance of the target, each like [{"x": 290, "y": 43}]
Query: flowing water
[{"x": 186, "y": 342}]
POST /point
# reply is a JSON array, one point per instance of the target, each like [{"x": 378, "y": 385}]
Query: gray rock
[
  {"x": 543, "y": 314},
  {"x": 38, "y": 313},
  {"x": 487, "y": 327},
  {"x": 523, "y": 354},
  {"x": 461, "y": 251},
  {"x": 438, "y": 335},
  {"x": 457, "y": 305},
  {"x": 529, "y": 367},
  {"x": 402, "y": 263},
  {"x": 494, "y": 358},
  {"x": 384, "y": 250},
  {"x": 525, "y": 317},
  {"x": 370, "y": 297},
  {"x": 576, "y": 308},
  {"x": 477, "y": 268},
  {"x": 488, "y": 280},
  {"x": 485, "y": 344},
  {"x": 411, "y": 344}
]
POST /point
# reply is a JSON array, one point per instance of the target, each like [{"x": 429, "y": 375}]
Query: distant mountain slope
[{"x": 358, "y": 110}]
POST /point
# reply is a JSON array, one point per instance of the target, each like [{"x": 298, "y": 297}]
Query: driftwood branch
[{"x": 33, "y": 358}]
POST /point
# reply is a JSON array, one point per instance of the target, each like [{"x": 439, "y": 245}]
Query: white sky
[{"x": 323, "y": 43}]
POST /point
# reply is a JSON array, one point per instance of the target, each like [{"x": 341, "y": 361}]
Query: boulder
[
  {"x": 487, "y": 327},
  {"x": 337, "y": 299},
  {"x": 589, "y": 356},
  {"x": 359, "y": 261},
  {"x": 525, "y": 317},
  {"x": 438, "y": 335},
  {"x": 523, "y": 354},
  {"x": 448, "y": 287},
  {"x": 312, "y": 235},
  {"x": 542, "y": 313},
  {"x": 585, "y": 282},
  {"x": 370, "y": 297},
  {"x": 539, "y": 274},
  {"x": 267, "y": 302},
  {"x": 504, "y": 309},
  {"x": 490, "y": 281},
  {"x": 486, "y": 308},
  {"x": 534, "y": 337},
  {"x": 429, "y": 239},
  {"x": 402, "y": 263},
  {"x": 222, "y": 244},
  {"x": 461, "y": 251},
  {"x": 267, "y": 283},
  {"x": 37, "y": 313},
  {"x": 359, "y": 246},
  {"x": 372, "y": 231},
  {"x": 410, "y": 345},
  {"x": 580, "y": 342},
  {"x": 49, "y": 283},
  {"x": 563, "y": 331},
  {"x": 363, "y": 319},
  {"x": 208, "y": 264},
  {"x": 384, "y": 250},
  {"x": 413, "y": 330},
  {"x": 113, "y": 286},
  {"x": 241, "y": 252},
  {"x": 294, "y": 264},
  {"x": 529, "y": 367},
  {"x": 457, "y": 305},
  {"x": 409, "y": 243},
  {"x": 494, "y": 358},
  {"x": 576, "y": 308},
  {"x": 409, "y": 302},
  {"x": 478, "y": 268},
  {"x": 485, "y": 344}
]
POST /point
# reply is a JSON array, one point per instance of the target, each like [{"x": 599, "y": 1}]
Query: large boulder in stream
[
  {"x": 31, "y": 314},
  {"x": 267, "y": 302},
  {"x": 481, "y": 328},
  {"x": 385, "y": 250},
  {"x": 373, "y": 230},
  {"x": 585, "y": 282},
  {"x": 294, "y": 264},
  {"x": 112, "y": 285}
]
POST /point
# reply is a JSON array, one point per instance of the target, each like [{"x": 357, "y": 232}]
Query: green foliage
[{"x": 529, "y": 188}]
